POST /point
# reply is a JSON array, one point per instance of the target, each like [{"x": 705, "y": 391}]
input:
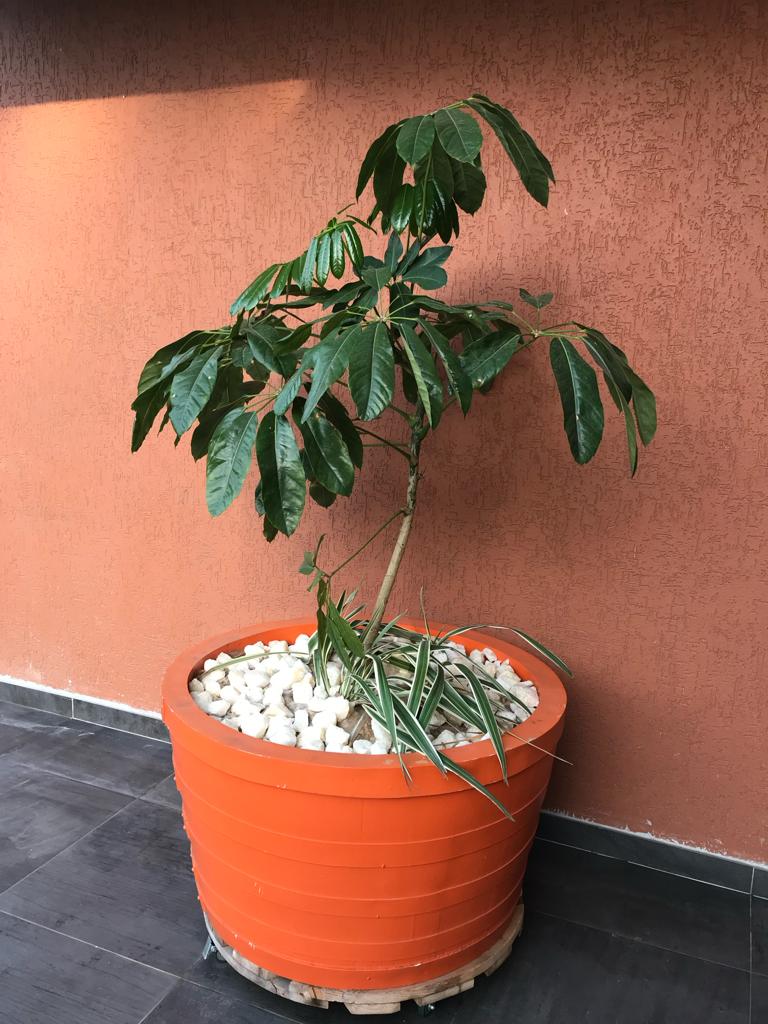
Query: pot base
[{"x": 363, "y": 1001}]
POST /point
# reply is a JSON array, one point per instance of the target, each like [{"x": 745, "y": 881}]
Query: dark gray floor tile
[
  {"x": 126, "y": 887},
  {"x": 760, "y": 884},
  {"x": 218, "y": 976},
  {"x": 87, "y": 753},
  {"x": 20, "y": 724},
  {"x": 585, "y": 835},
  {"x": 165, "y": 793},
  {"x": 675, "y": 913},
  {"x": 760, "y": 936},
  {"x": 120, "y": 718},
  {"x": 759, "y": 999},
  {"x": 562, "y": 973},
  {"x": 59, "y": 703},
  {"x": 41, "y": 814},
  {"x": 188, "y": 1004},
  {"x": 46, "y": 978}
]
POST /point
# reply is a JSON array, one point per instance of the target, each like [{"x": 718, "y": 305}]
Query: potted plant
[{"x": 360, "y": 830}]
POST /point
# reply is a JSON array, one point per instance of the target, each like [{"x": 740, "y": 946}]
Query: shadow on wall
[{"x": 53, "y": 51}]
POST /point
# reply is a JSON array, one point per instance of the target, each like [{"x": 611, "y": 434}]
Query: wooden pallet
[{"x": 362, "y": 1001}]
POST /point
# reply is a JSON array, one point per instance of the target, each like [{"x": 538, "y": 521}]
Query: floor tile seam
[
  {"x": 66, "y": 849},
  {"x": 639, "y": 864},
  {"x": 91, "y": 945},
  {"x": 641, "y": 942}
]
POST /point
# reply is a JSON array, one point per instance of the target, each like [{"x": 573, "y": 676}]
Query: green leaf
[
  {"x": 167, "y": 360},
  {"x": 147, "y": 407},
  {"x": 282, "y": 475},
  {"x": 288, "y": 392},
  {"x": 629, "y": 424},
  {"x": 393, "y": 253},
  {"x": 307, "y": 566},
  {"x": 337, "y": 253},
  {"x": 374, "y": 272},
  {"x": 459, "y": 134},
  {"x": 323, "y": 259},
  {"x": 191, "y": 389},
  {"x": 385, "y": 697},
  {"x": 487, "y": 714},
  {"x": 263, "y": 340},
  {"x": 459, "y": 380},
  {"x": 353, "y": 244},
  {"x": 320, "y": 495},
  {"x": 330, "y": 360},
  {"x": 644, "y": 403},
  {"x": 308, "y": 269},
  {"x": 402, "y": 208},
  {"x": 418, "y": 736},
  {"x": 485, "y": 358},
  {"x": 462, "y": 773},
  {"x": 426, "y": 270},
  {"x": 419, "y": 674},
  {"x": 583, "y": 417},
  {"x": 532, "y": 166},
  {"x": 414, "y": 140},
  {"x": 469, "y": 186},
  {"x": 541, "y": 649},
  {"x": 537, "y": 301},
  {"x": 255, "y": 291},
  {"x": 387, "y": 178},
  {"x": 372, "y": 371},
  {"x": 350, "y": 641},
  {"x": 229, "y": 459},
  {"x": 424, "y": 372},
  {"x": 434, "y": 696},
  {"x": 328, "y": 456},
  {"x": 375, "y": 150},
  {"x": 334, "y": 411},
  {"x": 284, "y": 275}
]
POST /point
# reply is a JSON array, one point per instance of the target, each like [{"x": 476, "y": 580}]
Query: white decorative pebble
[
  {"x": 257, "y": 648},
  {"x": 196, "y": 686},
  {"x": 276, "y": 710},
  {"x": 302, "y": 692},
  {"x": 379, "y": 748},
  {"x": 279, "y": 731},
  {"x": 278, "y": 646},
  {"x": 380, "y": 734},
  {"x": 488, "y": 654},
  {"x": 223, "y": 658},
  {"x": 254, "y": 725},
  {"x": 323, "y": 719},
  {"x": 300, "y": 719},
  {"x": 335, "y": 736},
  {"x": 340, "y": 707},
  {"x": 229, "y": 693},
  {"x": 444, "y": 738},
  {"x": 219, "y": 708},
  {"x": 311, "y": 738},
  {"x": 477, "y": 657},
  {"x": 362, "y": 746},
  {"x": 203, "y": 700},
  {"x": 212, "y": 686},
  {"x": 301, "y": 644}
]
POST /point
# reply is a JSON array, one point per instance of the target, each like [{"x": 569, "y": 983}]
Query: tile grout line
[
  {"x": 91, "y": 945},
  {"x": 69, "y": 778},
  {"x": 647, "y": 945},
  {"x": 650, "y": 867},
  {"x": 69, "y": 846}
]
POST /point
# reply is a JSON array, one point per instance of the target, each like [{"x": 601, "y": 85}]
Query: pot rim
[{"x": 186, "y": 720}]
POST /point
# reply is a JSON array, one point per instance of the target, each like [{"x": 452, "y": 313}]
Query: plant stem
[
  {"x": 362, "y": 547},
  {"x": 417, "y": 435}
]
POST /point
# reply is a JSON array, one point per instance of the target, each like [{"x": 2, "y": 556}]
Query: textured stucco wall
[{"x": 151, "y": 162}]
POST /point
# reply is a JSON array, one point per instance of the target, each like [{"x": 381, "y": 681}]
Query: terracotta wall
[{"x": 151, "y": 163}]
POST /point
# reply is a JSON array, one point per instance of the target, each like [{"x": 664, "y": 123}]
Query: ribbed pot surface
[{"x": 332, "y": 870}]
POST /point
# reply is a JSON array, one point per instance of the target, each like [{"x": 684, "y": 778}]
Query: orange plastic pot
[{"x": 333, "y": 870}]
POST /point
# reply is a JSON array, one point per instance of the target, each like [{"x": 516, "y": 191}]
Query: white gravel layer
[{"x": 275, "y": 697}]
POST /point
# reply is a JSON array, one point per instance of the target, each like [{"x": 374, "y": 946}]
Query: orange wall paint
[{"x": 152, "y": 162}]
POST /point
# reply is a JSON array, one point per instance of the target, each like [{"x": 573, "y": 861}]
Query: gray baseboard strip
[{"x": 84, "y": 710}]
